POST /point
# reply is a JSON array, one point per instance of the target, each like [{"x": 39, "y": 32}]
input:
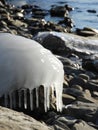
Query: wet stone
[
  {"x": 59, "y": 11},
  {"x": 82, "y": 110},
  {"x": 77, "y": 81},
  {"x": 67, "y": 99},
  {"x": 91, "y": 86},
  {"x": 82, "y": 125},
  {"x": 84, "y": 76},
  {"x": 73, "y": 92},
  {"x": 77, "y": 87}
]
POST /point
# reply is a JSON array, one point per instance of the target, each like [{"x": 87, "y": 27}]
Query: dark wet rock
[
  {"x": 68, "y": 22},
  {"x": 84, "y": 76},
  {"x": 82, "y": 110},
  {"x": 67, "y": 99},
  {"x": 95, "y": 94},
  {"x": 59, "y": 11},
  {"x": 69, "y": 8},
  {"x": 26, "y": 6},
  {"x": 3, "y": 2},
  {"x": 91, "y": 11},
  {"x": 70, "y": 70},
  {"x": 82, "y": 125},
  {"x": 90, "y": 64},
  {"x": 90, "y": 29},
  {"x": 92, "y": 75},
  {"x": 77, "y": 81},
  {"x": 91, "y": 86},
  {"x": 73, "y": 92},
  {"x": 85, "y": 33},
  {"x": 52, "y": 43}
]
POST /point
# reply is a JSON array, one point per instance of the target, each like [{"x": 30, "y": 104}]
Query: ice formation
[{"x": 25, "y": 64}]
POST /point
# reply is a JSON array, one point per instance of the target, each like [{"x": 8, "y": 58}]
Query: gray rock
[
  {"x": 12, "y": 120},
  {"x": 91, "y": 86},
  {"x": 85, "y": 111},
  {"x": 59, "y": 11},
  {"x": 77, "y": 87},
  {"x": 67, "y": 99},
  {"x": 82, "y": 125}
]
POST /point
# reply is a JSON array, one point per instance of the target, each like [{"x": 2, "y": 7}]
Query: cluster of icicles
[{"x": 24, "y": 66}]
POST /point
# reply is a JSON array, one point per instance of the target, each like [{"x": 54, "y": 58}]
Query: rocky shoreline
[{"x": 80, "y": 89}]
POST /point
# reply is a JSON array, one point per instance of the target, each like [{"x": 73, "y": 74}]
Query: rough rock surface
[{"x": 12, "y": 120}]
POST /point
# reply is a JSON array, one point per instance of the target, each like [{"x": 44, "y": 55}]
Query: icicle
[
  {"x": 5, "y": 100},
  {"x": 37, "y": 98},
  {"x": 52, "y": 91},
  {"x": 11, "y": 103},
  {"x": 31, "y": 100},
  {"x": 25, "y": 99},
  {"x": 58, "y": 97},
  {"x": 48, "y": 97},
  {"x": 45, "y": 99},
  {"x": 14, "y": 100},
  {"x": 19, "y": 95}
]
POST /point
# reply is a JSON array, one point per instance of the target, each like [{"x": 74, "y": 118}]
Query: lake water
[{"x": 80, "y": 15}]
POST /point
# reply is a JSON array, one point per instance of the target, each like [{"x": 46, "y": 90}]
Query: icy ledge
[{"x": 24, "y": 64}]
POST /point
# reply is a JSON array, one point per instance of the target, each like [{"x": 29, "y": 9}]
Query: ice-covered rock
[{"x": 25, "y": 64}]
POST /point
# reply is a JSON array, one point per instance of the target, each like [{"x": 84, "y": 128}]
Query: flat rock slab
[{"x": 12, "y": 120}]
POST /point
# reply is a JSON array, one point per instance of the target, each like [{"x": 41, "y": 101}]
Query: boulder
[{"x": 12, "y": 120}]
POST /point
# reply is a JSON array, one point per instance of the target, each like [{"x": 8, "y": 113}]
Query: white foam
[{"x": 25, "y": 64}]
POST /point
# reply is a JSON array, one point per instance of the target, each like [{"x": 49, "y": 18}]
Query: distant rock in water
[
  {"x": 24, "y": 66},
  {"x": 59, "y": 42}
]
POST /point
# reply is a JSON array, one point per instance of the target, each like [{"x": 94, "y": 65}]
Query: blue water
[{"x": 80, "y": 16}]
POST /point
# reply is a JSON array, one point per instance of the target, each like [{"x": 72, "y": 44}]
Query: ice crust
[{"x": 24, "y": 63}]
